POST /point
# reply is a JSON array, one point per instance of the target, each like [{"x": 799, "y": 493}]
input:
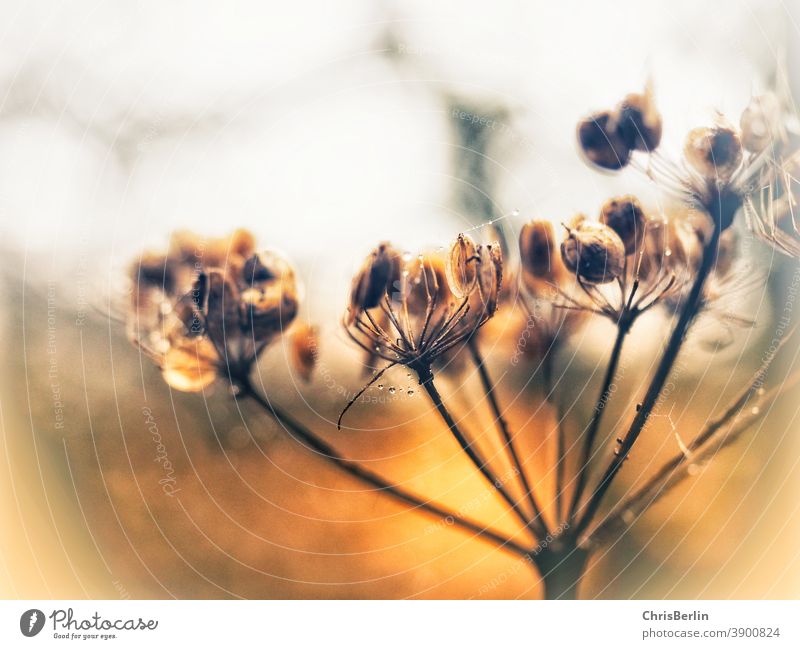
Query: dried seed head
[
  {"x": 537, "y": 245},
  {"x": 303, "y": 345},
  {"x": 490, "y": 275},
  {"x": 602, "y": 143},
  {"x": 626, "y": 217},
  {"x": 377, "y": 276},
  {"x": 714, "y": 152},
  {"x": 639, "y": 121},
  {"x": 594, "y": 252},
  {"x": 761, "y": 122},
  {"x": 462, "y": 266}
]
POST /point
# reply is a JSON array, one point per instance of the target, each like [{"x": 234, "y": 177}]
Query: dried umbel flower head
[
  {"x": 714, "y": 152},
  {"x": 602, "y": 143},
  {"x": 303, "y": 346},
  {"x": 761, "y": 123},
  {"x": 639, "y": 122},
  {"x": 218, "y": 323},
  {"x": 626, "y": 217},
  {"x": 716, "y": 178},
  {"x": 594, "y": 252},
  {"x": 428, "y": 309}
]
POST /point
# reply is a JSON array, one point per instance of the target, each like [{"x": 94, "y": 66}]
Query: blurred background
[{"x": 325, "y": 128}]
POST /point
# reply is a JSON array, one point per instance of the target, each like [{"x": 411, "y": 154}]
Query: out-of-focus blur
[{"x": 325, "y": 129}]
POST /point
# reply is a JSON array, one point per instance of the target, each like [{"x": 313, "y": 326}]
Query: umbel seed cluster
[{"x": 206, "y": 310}]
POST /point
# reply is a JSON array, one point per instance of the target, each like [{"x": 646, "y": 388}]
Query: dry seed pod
[
  {"x": 602, "y": 143},
  {"x": 377, "y": 275},
  {"x": 462, "y": 266},
  {"x": 714, "y": 152},
  {"x": 594, "y": 252},
  {"x": 537, "y": 244},
  {"x": 425, "y": 281},
  {"x": 490, "y": 275},
  {"x": 303, "y": 345},
  {"x": 625, "y": 216},
  {"x": 639, "y": 122},
  {"x": 760, "y": 122}
]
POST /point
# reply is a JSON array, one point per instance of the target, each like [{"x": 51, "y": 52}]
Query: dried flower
[
  {"x": 639, "y": 122},
  {"x": 427, "y": 310},
  {"x": 594, "y": 252},
  {"x": 716, "y": 178},
  {"x": 626, "y": 217},
  {"x": 200, "y": 321},
  {"x": 714, "y": 152},
  {"x": 379, "y": 273},
  {"x": 602, "y": 143}
]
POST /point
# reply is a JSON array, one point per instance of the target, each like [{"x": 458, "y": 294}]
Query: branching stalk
[
  {"x": 426, "y": 381},
  {"x": 687, "y": 314},
  {"x": 313, "y": 442},
  {"x": 502, "y": 426}
]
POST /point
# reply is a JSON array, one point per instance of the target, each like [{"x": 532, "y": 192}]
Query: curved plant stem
[
  {"x": 590, "y": 434},
  {"x": 312, "y": 441},
  {"x": 502, "y": 426},
  {"x": 687, "y": 314},
  {"x": 426, "y": 381},
  {"x": 711, "y": 439}
]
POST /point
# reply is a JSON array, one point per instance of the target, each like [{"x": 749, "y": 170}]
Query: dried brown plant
[{"x": 207, "y": 315}]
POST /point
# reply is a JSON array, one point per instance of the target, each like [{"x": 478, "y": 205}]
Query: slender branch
[
  {"x": 426, "y": 381},
  {"x": 590, "y": 434},
  {"x": 673, "y": 472},
  {"x": 313, "y": 442},
  {"x": 502, "y": 426},
  {"x": 687, "y": 314}
]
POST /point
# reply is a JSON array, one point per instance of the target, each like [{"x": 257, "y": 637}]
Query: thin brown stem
[
  {"x": 502, "y": 426},
  {"x": 590, "y": 434},
  {"x": 314, "y": 443},
  {"x": 709, "y": 440},
  {"x": 687, "y": 314},
  {"x": 426, "y": 381}
]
